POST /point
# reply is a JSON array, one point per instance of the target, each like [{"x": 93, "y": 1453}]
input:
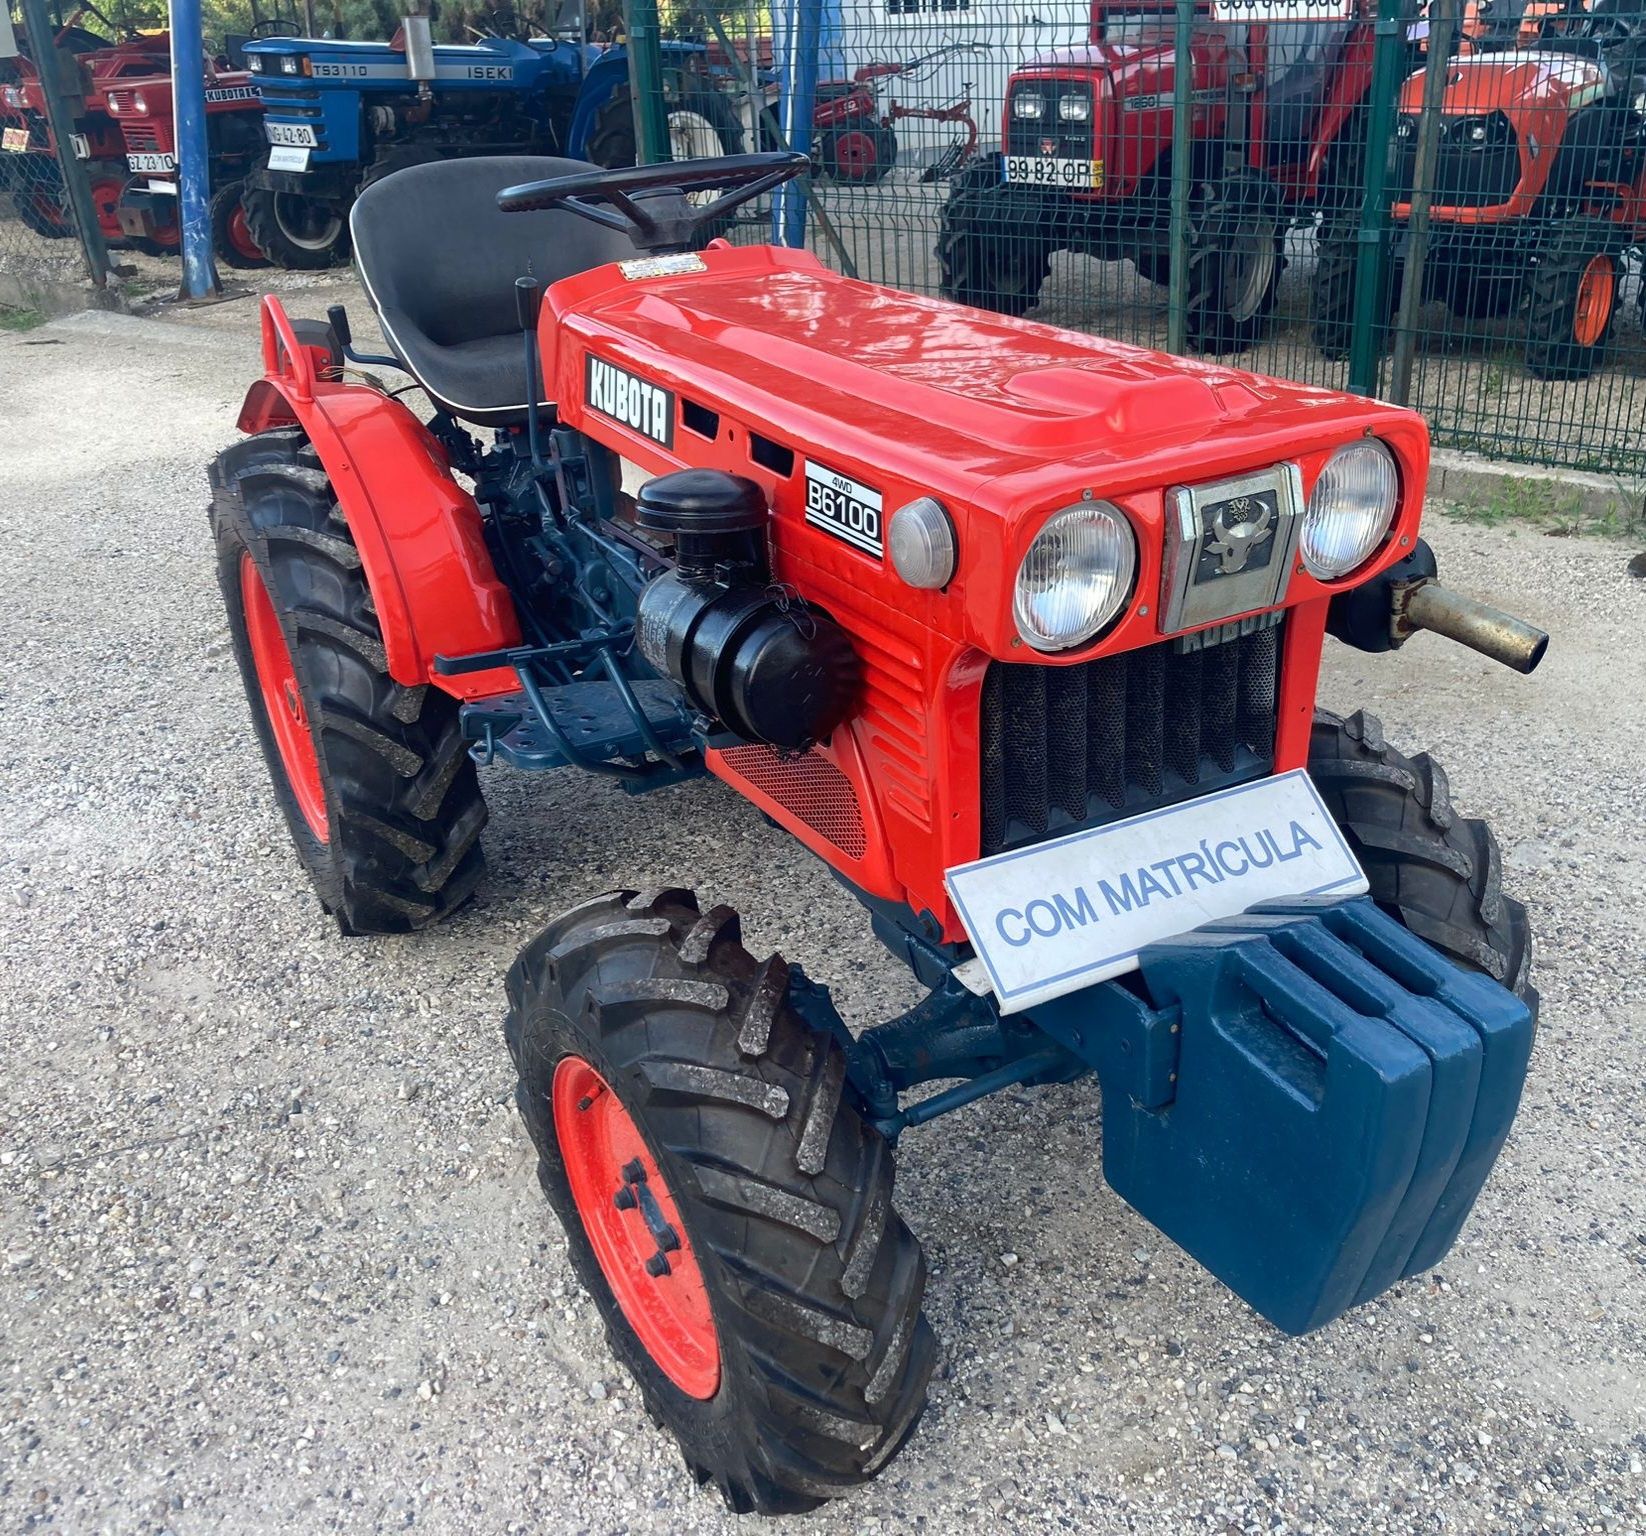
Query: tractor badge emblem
[{"x": 1238, "y": 527}]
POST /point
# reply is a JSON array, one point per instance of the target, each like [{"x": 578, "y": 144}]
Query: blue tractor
[{"x": 341, "y": 115}]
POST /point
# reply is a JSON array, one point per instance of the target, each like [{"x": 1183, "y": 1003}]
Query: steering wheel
[
  {"x": 275, "y": 26},
  {"x": 613, "y": 198}
]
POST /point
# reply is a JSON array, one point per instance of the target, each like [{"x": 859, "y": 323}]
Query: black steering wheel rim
[{"x": 614, "y": 198}]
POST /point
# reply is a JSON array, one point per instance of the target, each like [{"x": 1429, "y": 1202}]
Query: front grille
[
  {"x": 1470, "y": 172},
  {"x": 1069, "y": 747},
  {"x": 1029, "y": 136},
  {"x": 141, "y": 135},
  {"x": 301, "y": 102}
]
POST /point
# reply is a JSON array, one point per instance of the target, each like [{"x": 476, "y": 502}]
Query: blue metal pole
[
  {"x": 797, "y": 87},
  {"x": 188, "y": 77}
]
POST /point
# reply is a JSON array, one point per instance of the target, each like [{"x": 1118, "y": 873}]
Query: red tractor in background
[
  {"x": 854, "y": 124},
  {"x": 35, "y": 184},
  {"x": 1540, "y": 188},
  {"x": 1018, "y": 630},
  {"x": 147, "y": 210},
  {"x": 1085, "y": 162}
]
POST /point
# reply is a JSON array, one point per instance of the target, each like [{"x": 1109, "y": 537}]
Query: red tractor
[
  {"x": 1085, "y": 162},
  {"x": 234, "y": 134},
  {"x": 36, "y": 184},
  {"x": 1539, "y": 193},
  {"x": 854, "y": 124},
  {"x": 1016, "y": 629}
]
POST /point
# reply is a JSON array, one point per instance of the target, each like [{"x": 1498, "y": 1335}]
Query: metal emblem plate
[{"x": 1230, "y": 545}]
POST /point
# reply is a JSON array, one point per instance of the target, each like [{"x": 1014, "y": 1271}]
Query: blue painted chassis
[{"x": 563, "y": 84}]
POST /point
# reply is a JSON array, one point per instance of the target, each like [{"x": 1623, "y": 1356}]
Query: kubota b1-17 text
[{"x": 1018, "y": 630}]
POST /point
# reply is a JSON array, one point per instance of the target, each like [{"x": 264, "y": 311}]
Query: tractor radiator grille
[
  {"x": 810, "y": 788},
  {"x": 1068, "y": 747},
  {"x": 141, "y": 136}
]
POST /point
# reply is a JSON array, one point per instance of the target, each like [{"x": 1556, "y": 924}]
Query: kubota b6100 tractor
[
  {"x": 1539, "y": 189},
  {"x": 1018, "y": 630},
  {"x": 1085, "y": 162}
]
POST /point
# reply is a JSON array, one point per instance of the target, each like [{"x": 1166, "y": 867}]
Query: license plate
[
  {"x": 290, "y": 133},
  {"x": 15, "y": 140},
  {"x": 1065, "y": 914},
  {"x": 1044, "y": 171},
  {"x": 151, "y": 162},
  {"x": 285, "y": 157}
]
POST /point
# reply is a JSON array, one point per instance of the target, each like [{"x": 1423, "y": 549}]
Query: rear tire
[
  {"x": 858, "y": 156},
  {"x": 819, "y": 1354},
  {"x": 991, "y": 248},
  {"x": 374, "y": 778},
  {"x": 1575, "y": 286},
  {"x": 231, "y": 236},
  {"x": 1236, "y": 257},
  {"x": 1437, "y": 873},
  {"x": 301, "y": 234}
]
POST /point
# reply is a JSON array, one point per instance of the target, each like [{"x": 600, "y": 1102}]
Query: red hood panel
[{"x": 1513, "y": 81}]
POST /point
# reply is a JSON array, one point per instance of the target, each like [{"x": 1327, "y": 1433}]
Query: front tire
[
  {"x": 1236, "y": 256},
  {"x": 301, "y": 234},
  {"x": 1573, "y": 301},
  {"x": 991, "y": 247},
  {"x": 374, "y": 778},
  {"x": 677, "y": 1101},
  {"x": 1437, "y": 873},
  {"x": 231, "y": 236}
]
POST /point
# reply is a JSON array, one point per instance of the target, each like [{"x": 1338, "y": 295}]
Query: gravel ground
[{"x": 272, "y": 1256}]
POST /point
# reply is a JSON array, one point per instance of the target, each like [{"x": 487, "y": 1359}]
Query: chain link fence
[{"x": 1464, "y": 238}]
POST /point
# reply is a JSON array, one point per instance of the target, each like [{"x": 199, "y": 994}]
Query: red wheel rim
[
  {"x": 240, "y": 236},
  {"x": 282, "y": 699},
  {"x": 51, "y": 211},
  {"x": 105, "y": 201},
  {"x": 623, "y": 1201},
  {"x": 855, "y": 156},
  {"x": 1596, "y": 291}
]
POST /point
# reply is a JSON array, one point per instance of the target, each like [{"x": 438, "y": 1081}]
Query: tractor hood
[
  {"x": 763, "y": 362},
  {"x": 1534, "y": 80}
]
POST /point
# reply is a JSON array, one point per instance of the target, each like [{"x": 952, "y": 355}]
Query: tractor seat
[{"x": 439, "y": 258}]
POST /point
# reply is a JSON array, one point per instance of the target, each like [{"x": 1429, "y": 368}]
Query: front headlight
[
  {"x": 1027, "y": 104},
  {"x": 1075, "y": 577},
  {"x": 140, "y": 103},
  {"x": 289, "y": 64},
  {"x": 254, "y": 62},
  {"x": 1074, "y": 109},
  {"x": 1350, "y": 509}
]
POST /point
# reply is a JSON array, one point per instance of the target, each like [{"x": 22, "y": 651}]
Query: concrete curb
[{"x": 1465, "y": 479}]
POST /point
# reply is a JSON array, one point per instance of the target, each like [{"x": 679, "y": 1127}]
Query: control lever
[
  {"x": 528, "y": 304},
  {"x": 338, "y": 319}
]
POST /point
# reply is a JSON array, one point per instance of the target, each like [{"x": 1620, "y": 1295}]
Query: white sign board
[
  {"x": 1255, "y": 12},
  {"x": 1062, "y": 915}
]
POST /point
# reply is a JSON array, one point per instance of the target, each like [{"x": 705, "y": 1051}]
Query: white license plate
[
  {"x": 290, "y": 133},
  {"x": 1065, "y": 914},
  {"x": 15, "y": 140},
  {"x": 151, "y": 162},
  {"x": 1044, "y": 171},
  {"x": 286, "y": 157}
]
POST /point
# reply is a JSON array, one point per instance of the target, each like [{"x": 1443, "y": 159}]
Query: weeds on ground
[
  {"x": 20, "y": 319},
  {"x": 1546, "y": 508}
]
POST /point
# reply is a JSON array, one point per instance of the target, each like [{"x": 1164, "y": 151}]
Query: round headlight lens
[
  {"x": 922, "y": 540},
  {"x": 1075, "y": 577},
  {"x": 1350, "y": 509},
  {"x": 140, "y": 103}
]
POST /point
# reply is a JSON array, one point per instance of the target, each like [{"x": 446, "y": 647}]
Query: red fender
[{"x": 417, "y": 530}]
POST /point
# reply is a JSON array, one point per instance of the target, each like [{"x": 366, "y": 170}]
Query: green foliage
[{"x": 20, "y": 319}]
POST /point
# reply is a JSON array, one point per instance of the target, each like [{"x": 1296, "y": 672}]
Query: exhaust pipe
[{"x": 1425, "y": 604}]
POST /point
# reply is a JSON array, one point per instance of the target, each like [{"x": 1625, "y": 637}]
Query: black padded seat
[{"x": 439, "y": 259}]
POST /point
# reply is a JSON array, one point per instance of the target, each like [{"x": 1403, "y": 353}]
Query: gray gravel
[{"x": 272, "y": 1257}]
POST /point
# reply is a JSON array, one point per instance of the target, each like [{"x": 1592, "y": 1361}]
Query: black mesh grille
[{"x": 1066, "y": 747}]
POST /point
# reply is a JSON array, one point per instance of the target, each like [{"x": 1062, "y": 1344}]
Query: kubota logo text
[{"x": 633, "y": 402}]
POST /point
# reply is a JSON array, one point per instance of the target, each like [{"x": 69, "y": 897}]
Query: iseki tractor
[
  {"x": 147, "y": 209},
  {"x": 341, "y": 115},
  {"x": 1017, "y": 630},
  {"x": 1539, "y": 189},
  {"x": 1085, "y": 162}
]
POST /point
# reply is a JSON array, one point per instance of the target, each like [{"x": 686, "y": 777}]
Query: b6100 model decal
[
  {"x": 839, "y": 505},
  {"x": 631, "y": 401}
]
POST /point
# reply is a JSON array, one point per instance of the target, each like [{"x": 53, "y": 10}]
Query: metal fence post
[
  {"x": 651, "y": 128},
  {"x": 51, "y": 62},
  {"x": 1442, "y": 30},
  {"x": 797, "y": 85},
  {"x": 1177, "y": 292},
  {"x": 193, "y": 155},
  {"x": 1371, "y": 259}
]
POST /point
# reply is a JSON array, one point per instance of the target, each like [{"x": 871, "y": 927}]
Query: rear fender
[
  {"x": 604, "y": 76},
  {"x": 418, "y": 531}
]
